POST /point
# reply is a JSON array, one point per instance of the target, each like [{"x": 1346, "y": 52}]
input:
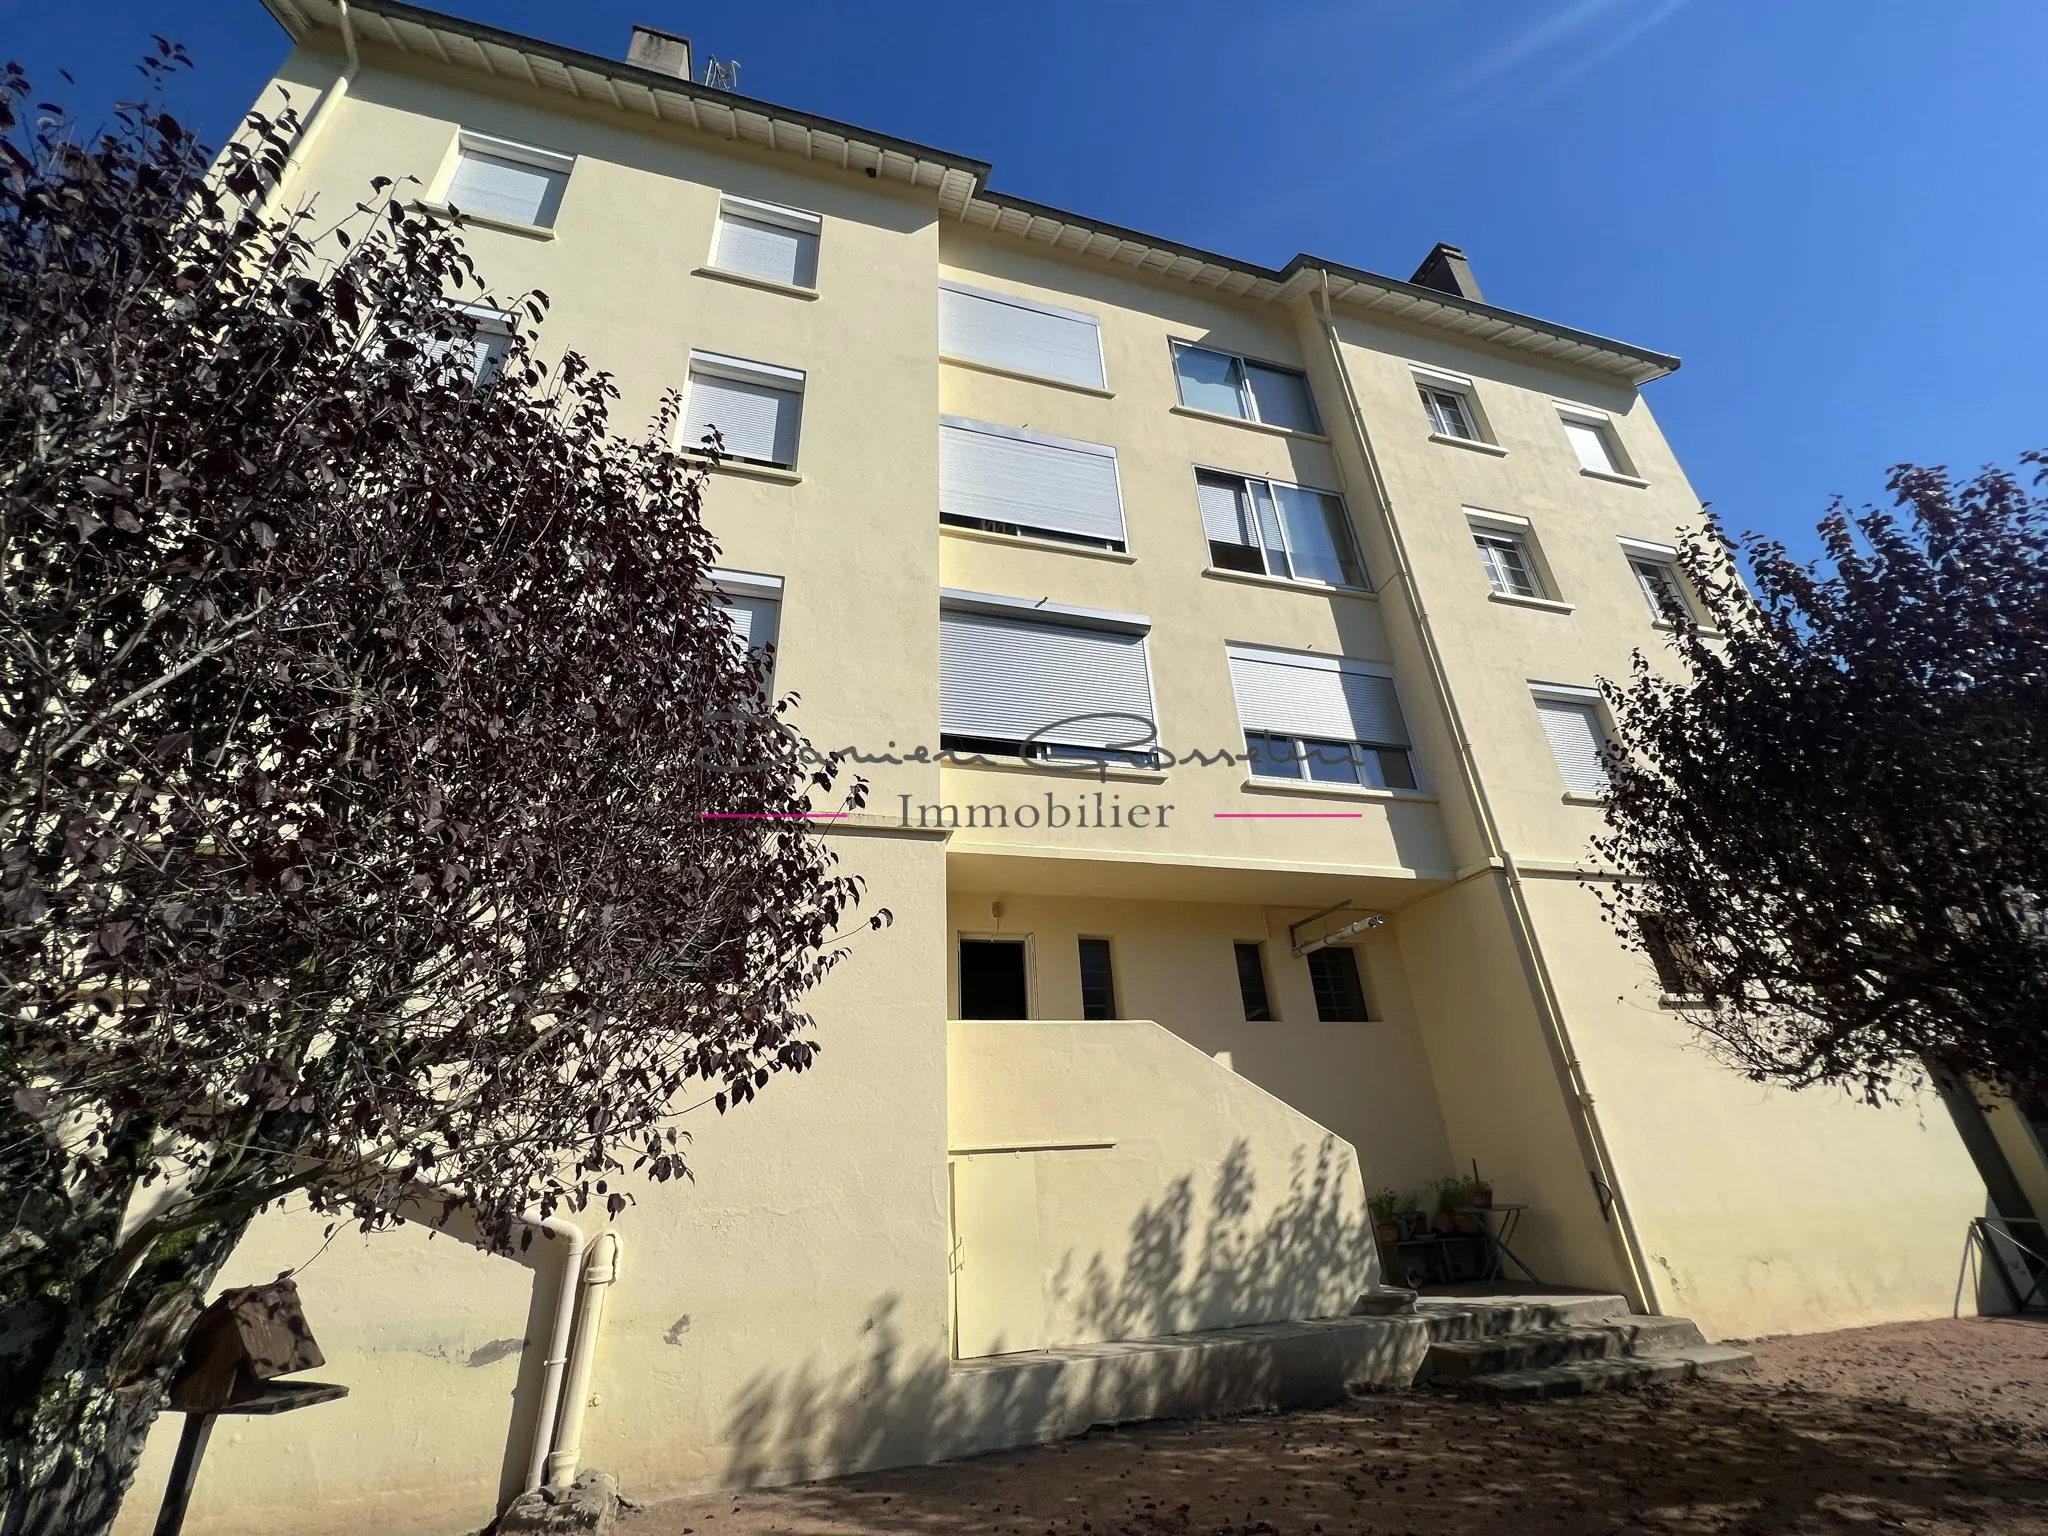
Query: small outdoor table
[{"x": 1498, "y": 1223}]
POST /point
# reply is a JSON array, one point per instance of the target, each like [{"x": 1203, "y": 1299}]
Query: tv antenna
[{"x": 722, "y": 74}]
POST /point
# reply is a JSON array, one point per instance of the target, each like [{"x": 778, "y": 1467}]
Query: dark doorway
[{"x": 992, "y": 979}]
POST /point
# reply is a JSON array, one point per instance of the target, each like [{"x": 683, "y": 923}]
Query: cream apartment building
[{"x": 1261, "y": 612}]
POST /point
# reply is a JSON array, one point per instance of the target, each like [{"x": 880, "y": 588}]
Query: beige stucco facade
[{"x": 941, "y": 1188}]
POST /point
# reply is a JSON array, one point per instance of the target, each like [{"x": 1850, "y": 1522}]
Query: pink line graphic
[
  {"x": 771, "y": 815},
  {"x": 1286, "y": 815}
]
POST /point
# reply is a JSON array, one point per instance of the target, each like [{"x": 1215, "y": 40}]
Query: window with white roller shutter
[
  {"x": 1325, "y": 719},
  {"x": 1019, "y": 334},
  {"x": 756, "y": 408},
  {"x": 1006, "y": 480},
  {"x": 520, "y": 183},
  {"x": 752, "y": 605},
  {"x": 1016, "y": 680},
  {"x": 767, "y": 241},
  {"x": 1571, "y": 719}
]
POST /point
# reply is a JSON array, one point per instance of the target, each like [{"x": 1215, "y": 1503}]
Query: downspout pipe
[
  {"x": 600, "y": 1269},
  {"x": 556, "y": 1363},
  {"x": 323, "y": 110},
  {"x": 1578, "y": 1095}
]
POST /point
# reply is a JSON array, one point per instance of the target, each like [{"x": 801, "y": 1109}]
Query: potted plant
[
  {"x": 1382, "y": 1204},
  {"x": 1453, "y": 1195},
  {"x": 1481, "y": 1189},
  {"x": 1411, "y": 1218}
]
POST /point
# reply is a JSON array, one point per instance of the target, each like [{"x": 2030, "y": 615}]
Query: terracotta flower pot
[
  {"x": 1467, "y": 1223},
  {"x": 1482, "y": 1195},
  {"x": 1387, "y": 1232},
  {"x": 1443, "y": 1223}
]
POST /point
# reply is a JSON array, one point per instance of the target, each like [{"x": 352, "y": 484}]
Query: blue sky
[{"x": 1833, "y": 210}]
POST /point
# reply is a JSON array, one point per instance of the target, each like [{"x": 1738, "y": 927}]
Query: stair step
[
  {"x": 1478, "y": 1318},
  {"x": 1385, "y": 1301},
  {"x": 1658, "y": 1335},
  {"x": 1624, "y": 1373},
  {"x": 1494, "y": 1354}
]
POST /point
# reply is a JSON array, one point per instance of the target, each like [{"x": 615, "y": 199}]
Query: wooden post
[{"x": 170, "y": 1519}]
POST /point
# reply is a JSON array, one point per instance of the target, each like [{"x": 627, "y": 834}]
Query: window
[
  {"x": 1268, "y": 528},
  {"x": 1504, "y": 556},
  {"x": 1571, "y": 719},
  {"x": 753, "y": 606},
  {"x": 1340, "y": 997},
  {"x": 1098, "y": 986},
  {"x": 1019, "y": 334},
  {"x": 1320, "y": 718},
  {"x": 775, "y": 244},
  {"x": 474, "y": 347},
  {"x": 1251, "y": 983},
  {"x": 1020, "y": 679},
  {"x": 992, "y": 981},
  {"x": 1007, "y": 480},
  {"x": 1230, "y": 385},
  {"x": 754, "y": 407},
  {"x": 1655, "y": 567},
  {"x": 1449, "y": 415},
  {"x": 1590, "y": 439},
  {"x": 516, "y": 182},
  {"x": 1679, "y": 973}
]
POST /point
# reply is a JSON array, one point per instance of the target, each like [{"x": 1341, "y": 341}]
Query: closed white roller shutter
[
  {"x": 508, "y": 189},
  {"x": 1590, "y": 444},
  {"x": 1011, "y": 679},
  {"x": 775, "y": 252},
  {"x": 1324, "y": 698},
  {"x": 757, "y": 418},
  {"x": 753, "y": 619},
  {"x": 1013, "y": 333},
  {"x": 1577, "y": 741},
  {"x": 1226, "y": 509},
  {"x": 1055, "y": 485}
]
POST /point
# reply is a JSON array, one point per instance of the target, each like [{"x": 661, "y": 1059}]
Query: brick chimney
[
  {"x": 655, "y": 49},
  {"x": 1446, "y": 268}
]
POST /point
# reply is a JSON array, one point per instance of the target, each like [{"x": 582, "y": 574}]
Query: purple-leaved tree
[{"x": 362, "y": 708}]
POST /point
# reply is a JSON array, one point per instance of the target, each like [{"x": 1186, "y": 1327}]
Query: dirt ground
[{"x": 1930, "y": 1428}]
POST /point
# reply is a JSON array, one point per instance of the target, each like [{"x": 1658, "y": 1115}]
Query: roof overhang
[
  {"x": 411, "y": 29},
  {"x": 958, "y": 183}
]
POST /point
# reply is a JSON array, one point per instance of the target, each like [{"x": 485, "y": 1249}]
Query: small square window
[
  {"x": 1594, "y": 446},
  {"x": 755, "y": 407},
  {"x": 1662, "y": 589},
  {"x": 1098, "y": 983},
  {"x": 763, "y": 240},
  {"x": 1679, "y": 973},
  {"x": 1251, "y": 983},
  {"x": 515, "y": 182},
  {"x": 477, "y": 357},
  {"x": 1505, "y": 558},
  {"x": 1450, "y": 413},
  {"x": 1340, "y": 996},
  {"x": 1577, "y": 740}
]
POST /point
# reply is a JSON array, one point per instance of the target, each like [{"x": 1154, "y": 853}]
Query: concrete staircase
[{"x": 1520, "y": 1348}]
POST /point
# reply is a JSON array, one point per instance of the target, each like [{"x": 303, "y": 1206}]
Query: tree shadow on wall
[{"x": 905, "y": 1400}]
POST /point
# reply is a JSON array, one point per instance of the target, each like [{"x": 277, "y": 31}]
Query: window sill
[
  {"x": 1617, "y": 478},
  {"x": 1032, "y": 541},
  {"x": 1546, "y": 604},
  {"x": 1288, "y": 583},
  {"x": 1673, "y": 627},
  {"x": 1670, "y": 1001},
  {"x": 1335, "y": 791},
  {"x": 746, "y": 471},
  {"x": 489, "y": 221},
  {"x": 1068, "y": 768},
  {"x": 1029, "y": 378},
  {"x": 1251, "y": 426},
  {"x": 1473, "y": 443},
  {"x": 748, "y": 280},
  {"x": 1580, "y": 797}
]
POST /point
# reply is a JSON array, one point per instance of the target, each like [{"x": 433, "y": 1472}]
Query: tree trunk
[{"x": 99, "y": 1377}]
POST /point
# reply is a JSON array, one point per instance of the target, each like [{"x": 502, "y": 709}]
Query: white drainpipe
[
  {"x": 600, "y": 1269},
  {"x": 558, "y": 1345}
]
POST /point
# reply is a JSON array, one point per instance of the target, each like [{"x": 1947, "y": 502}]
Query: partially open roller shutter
[
  {"x": 1012, "y": 679},
  {"x": 1004, "y": 476},
  {"x": 1324, "y": 699}
]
